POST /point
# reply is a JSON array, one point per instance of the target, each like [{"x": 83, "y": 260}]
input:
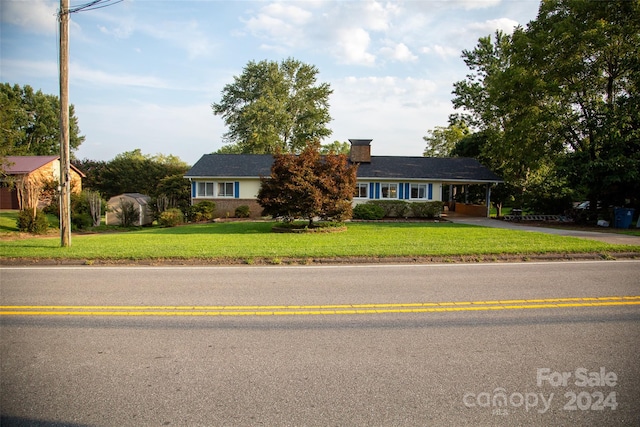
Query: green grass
[
  {"x": 8, "y": 221},
  {"x": 254, "y": 240}
]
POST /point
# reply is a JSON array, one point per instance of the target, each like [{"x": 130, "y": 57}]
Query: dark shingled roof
[
  {"x": 446, "y": 169},
  {"x": 437, "y": 168},
  {"x": 231, "y": 166}
]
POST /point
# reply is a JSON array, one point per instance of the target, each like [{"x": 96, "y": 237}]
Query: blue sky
[{"x": 144, "y": 73}]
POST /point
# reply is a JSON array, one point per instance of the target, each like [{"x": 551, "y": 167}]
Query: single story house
[
  {"x": 43, "y": 169},
  {"x": 231, "y": 180},
  {"x": 139, "y": 201}
]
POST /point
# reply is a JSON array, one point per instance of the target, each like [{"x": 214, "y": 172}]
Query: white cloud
[
  {"x": 352, "y": 46},
  {"x": 98, "y": 77},
  {"x": 398, "y": 52},
  {"x": 16, "y": 69},
  {"x": 376, "y": 16},
  {"x": 442, "y": 51},
  {"x": 37, "y": 16},
  {"x": 184, "y": 35},
  {"x": 123, "y": 29},
  {"x": 476, "y": 4},
  {"x": 282, "y": 23},
  {"x": 488, "y": 27},
  {"x": 374, "y": 92}
]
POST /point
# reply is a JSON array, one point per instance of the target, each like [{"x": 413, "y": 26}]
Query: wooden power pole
[{"x": 65, "y": 185}]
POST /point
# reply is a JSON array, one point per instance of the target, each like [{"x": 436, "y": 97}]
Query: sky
[{"x": 144, "y": 73}]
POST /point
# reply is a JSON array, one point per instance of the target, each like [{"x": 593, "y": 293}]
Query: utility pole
[{"x": 65, "y": 186}]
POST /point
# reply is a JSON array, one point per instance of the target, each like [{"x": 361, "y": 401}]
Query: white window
[
  {"x": 389, "y": 191},
  {"x": 205, "y": 189},
  {"x": 362, "y": 190},
  {"x": 225, "y": 189},
  {"x": 419, "y": 191}
]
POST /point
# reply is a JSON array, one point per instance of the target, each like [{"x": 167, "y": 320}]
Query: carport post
[{"x": 488, "y": 200}]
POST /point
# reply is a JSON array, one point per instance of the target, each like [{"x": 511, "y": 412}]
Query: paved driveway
[{"x": 613, "y": 238}]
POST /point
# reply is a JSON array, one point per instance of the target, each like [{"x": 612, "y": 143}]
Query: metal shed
[{"x": 139, "y": 201}]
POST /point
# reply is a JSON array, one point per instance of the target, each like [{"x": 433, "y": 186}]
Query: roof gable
[{"x": 446, "y": 169}]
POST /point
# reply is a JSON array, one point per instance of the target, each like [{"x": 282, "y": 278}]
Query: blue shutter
[
  {"x": 372, "y": 193},
  {"x": 400, "y": 191},
  {"x": 407, "y": 191},
  {"x": 193, "y": 189},
  {"x": 430, "y": 192},
  {"x": 377, "y": 190},
  {"x": 236, "y": 190}
]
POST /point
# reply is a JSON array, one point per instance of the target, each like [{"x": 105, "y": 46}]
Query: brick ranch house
[
  {"x": 232, "y": 180},
  {"x": 43, "y": 169}
]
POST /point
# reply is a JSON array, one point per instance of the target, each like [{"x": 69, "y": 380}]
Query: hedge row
[{"x": 378, "y": 209}]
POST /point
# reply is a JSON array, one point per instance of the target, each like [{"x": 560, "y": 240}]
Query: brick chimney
[{"x": 360, "y": 150}]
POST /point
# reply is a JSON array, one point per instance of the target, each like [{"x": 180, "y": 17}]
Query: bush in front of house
[
  {"x": 171, "y": 217},
  {"x": 32, "y": 221},
  {"x": 393, "y": 208},
  {"x": 428, "y": 210},
  {"x": 368, "y": 211},
  {"x": 243, "y": 211},
  {"x": 201, "y": 211}
]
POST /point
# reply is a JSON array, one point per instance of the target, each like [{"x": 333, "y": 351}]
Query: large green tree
[
  {"x": 557, "y": 100},
  {"x": 274, "y": 106},
  {"x": 590, "y": 54},
  {"x": 30, "y": 123},
  {"x": 441, "y": 141}
]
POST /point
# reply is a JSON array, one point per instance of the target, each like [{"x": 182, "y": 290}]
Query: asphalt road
[{"x": 483, "y": 344}]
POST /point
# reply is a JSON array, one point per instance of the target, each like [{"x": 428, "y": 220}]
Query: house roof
[
  {"x": 445, "y": 169},
  {"x": 231, "y": 166},
  {"x": 20, "y": 165}
]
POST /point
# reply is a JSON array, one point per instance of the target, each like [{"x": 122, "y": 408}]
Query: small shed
[{"x": 139, "y": 201}]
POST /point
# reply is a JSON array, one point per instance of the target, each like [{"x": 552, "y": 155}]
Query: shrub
[
  {"x": 368, "y": 211},
  {"x": 171, "y": 217},
  {"x": 128, "y": 214},
  {"x": 201, "y": 211},
  {"x": 80, "y": 221},
  {"x": 243, "y": 212},
  {"x": 392, "y": 208},
  {"x": 426, "y": 209},
  {"x": 28, "y": 223}
]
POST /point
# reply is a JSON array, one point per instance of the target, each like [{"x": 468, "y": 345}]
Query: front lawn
[{"x": 247, "y": 241}]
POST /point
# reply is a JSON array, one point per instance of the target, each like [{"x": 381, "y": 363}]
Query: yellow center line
[{"x": 323, "y": 309}]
